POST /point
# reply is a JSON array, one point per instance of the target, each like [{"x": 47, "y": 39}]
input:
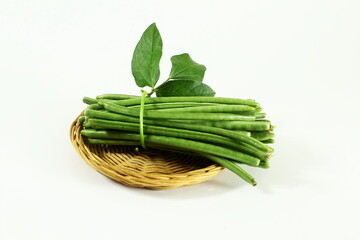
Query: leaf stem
[
  {"x": 150, "y": 93},
  {"x": 154, "y": 89}
]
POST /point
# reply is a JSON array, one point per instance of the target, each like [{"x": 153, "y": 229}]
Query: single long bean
[
  {"x": 232, "y": 167},
  {"x": 211, "y": 109},
  {"x": 116, "y": 96},
  {"x": 89, "y": 101},
  {"x": 111, "y": 141},
  {"x": 259, "y": 125},
  {"x": 96, "y": 106},
  {"x": 136, "y": 101},
  {"x": 260, "y": 115},
  {"x": 155, "y": 106}
]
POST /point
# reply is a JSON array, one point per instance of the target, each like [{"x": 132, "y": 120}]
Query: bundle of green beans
[{"x": 228, "y": 131}]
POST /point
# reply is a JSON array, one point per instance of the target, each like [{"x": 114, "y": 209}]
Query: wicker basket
[{"x": 153, "y": 169}]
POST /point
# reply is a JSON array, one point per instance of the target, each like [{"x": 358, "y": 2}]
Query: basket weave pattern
[{"x": 153, "y": 169}]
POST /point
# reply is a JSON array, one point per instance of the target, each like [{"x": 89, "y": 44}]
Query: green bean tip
[{"x": 253, "y": 181}]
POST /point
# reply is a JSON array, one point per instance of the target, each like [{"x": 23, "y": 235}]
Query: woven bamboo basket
[{"x": 153, "y": 169}]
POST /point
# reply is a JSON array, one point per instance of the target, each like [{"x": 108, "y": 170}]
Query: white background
[{"x": 299, "y": 59}]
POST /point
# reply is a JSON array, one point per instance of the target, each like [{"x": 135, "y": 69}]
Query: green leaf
[
  {"x": 184, "y": 88},
  {"x": 184, "y": 68},
  {"x": 146, "y": 58}
]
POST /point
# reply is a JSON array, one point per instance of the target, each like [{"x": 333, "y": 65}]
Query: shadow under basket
[{"x": 151, "y": 168}]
